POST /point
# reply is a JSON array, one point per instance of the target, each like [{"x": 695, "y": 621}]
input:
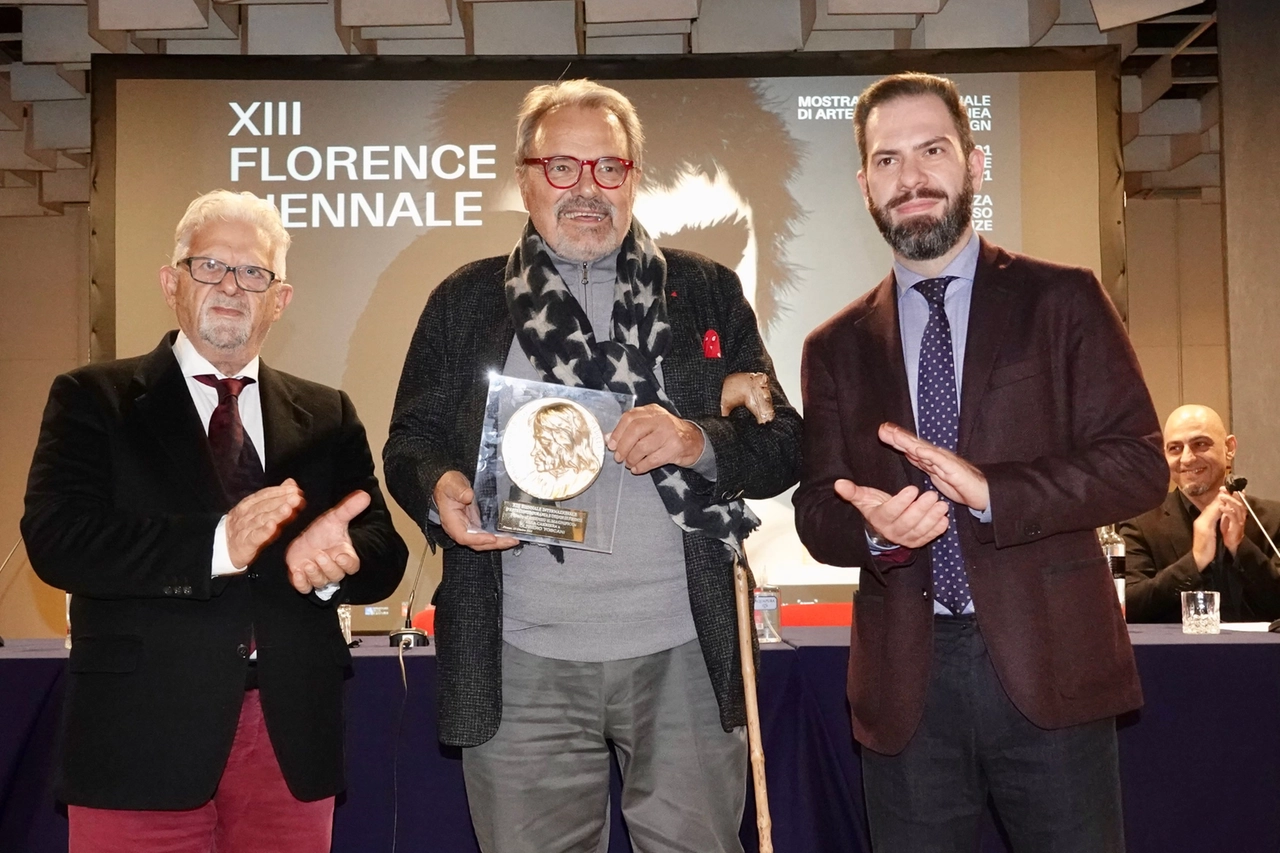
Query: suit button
[
  {"x": 186, "y": 590},
  {"x": 242, "y": 650},
  {"x": 168, "y": 590},
  {"x": 1031, "y": 529},
  {"x": 253, "y": 576}
]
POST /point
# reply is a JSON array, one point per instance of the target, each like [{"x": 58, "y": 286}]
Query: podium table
[{"x": 1200, "y": 763}]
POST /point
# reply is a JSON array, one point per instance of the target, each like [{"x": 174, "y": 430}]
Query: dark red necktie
[{"x": 238, "y": 464}]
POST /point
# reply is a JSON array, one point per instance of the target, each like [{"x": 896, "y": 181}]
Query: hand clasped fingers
[
  {"x": 285, "y": 493},
  {"x": 455, "y": 522},
  {"x": 259, "y": 528},
  {"x": 330, "y": 569},
  {"x": 865, "y": 498},
  {"x": 911, "y": 518},
  {"x": 929, "y": 526},
  {"x": 316, "y": 573},
  {"x": 1232, "y": 501},
  {"x": 490, "y": 542},
  {"x": 649, "y": 437},
  {"x": 484, "y": 541},
  {"x": 633, "y": 426},
  {"x": 899, "y": 438},
  {"x": 926, "y": 456},
  {"x": 648, "y": 452},
  {"x": 269, "y": 506},
  {"x": 299, "y": 580}
]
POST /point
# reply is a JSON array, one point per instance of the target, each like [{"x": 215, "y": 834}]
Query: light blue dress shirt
[{"x": 913, "y": 315}]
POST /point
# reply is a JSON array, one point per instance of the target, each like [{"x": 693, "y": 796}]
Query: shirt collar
[
  {"x": 600, "y": 268},
  {"x": 192, "y": 363},
  {"x": 963, "y": 266},
  {"x": 1192, "y": 511}
]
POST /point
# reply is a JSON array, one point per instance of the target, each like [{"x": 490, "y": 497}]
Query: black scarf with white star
[{"x": 556, "y": 335}]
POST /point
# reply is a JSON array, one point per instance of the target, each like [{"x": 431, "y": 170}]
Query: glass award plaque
[{"x": 543, "y": 473}]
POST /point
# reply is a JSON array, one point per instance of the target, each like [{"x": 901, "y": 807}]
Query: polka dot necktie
[
  {"x": 239, "y": 466},
  {"x": 938, "y": 413}
]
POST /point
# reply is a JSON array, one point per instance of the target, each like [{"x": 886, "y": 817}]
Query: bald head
[{"x": 1199, "y": 452}]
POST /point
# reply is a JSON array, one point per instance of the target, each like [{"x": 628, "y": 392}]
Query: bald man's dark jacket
[
  {"x": 1159, "y": 566},
  {"x": 121, "y": 508}
]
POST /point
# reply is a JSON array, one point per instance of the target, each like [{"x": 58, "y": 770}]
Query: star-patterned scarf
[{"x": 556, "y": 335}]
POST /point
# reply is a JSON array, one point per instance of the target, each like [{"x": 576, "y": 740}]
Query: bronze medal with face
[{"x": 553, "y": 448}]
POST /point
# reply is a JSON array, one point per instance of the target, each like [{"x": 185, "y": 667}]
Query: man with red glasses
[{"x": 547, "y": 658}]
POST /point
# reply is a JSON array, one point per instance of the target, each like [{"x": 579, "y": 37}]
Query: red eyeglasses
[{"x": 564, "y": 172}]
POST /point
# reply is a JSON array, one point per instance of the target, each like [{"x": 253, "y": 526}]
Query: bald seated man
[{"x": 1202, "y": 536}]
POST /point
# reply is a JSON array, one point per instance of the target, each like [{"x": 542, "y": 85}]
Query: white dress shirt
[
  {"x": 193, "y": 364},
  {"x": 205, "y": 397}
]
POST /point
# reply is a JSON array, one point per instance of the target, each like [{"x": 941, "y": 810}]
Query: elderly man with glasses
[
  {"x": 546, "y": 659},
  {"x": 207, "y": 514}
]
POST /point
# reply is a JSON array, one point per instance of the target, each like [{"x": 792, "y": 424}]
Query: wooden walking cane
[
  {"x": 746, "y": 630},
  {"x": 750, "y": 390}
]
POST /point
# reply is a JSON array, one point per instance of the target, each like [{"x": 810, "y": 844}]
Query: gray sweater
[
  {"x": 594, "y": 606},
  {"x": 465, "y": 331}
]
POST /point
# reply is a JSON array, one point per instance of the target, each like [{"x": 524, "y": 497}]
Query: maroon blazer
[{"x": 1055, "y": 413}]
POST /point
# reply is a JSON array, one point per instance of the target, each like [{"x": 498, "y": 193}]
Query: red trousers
[{"x": 251, "y": 812}]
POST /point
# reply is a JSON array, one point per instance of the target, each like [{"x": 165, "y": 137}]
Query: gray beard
[
  {"x": 922, "y": 238},
  {"x": 1198, "y": 489},
  {"x": 584, "y": 249},
  {"x": 224, "y": 334}
]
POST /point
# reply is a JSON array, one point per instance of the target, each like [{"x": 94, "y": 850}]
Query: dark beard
[{"x": 923, "y": 238}]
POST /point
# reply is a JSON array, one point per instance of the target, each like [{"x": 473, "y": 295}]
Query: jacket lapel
[
  {"x": 164, "y": 408},
  {"x": 680, "y": 365},
  {"x": 989, "y": 311},
  {"x": 885, "y": 352},
  {"x": 286, "y": 423},
  {"x": 491, "y": 344},
  {"x": 1176, "y": 528},
  {"x": 886, "y": 338}
]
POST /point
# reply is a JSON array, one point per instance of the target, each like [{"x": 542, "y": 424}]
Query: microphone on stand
[
  {"x": 1236, "y": 485},
  {"x": 409, "y": 636},
  {"x": 5, "y": 565}
]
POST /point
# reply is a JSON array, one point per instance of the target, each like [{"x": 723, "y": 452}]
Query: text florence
[{"x": 371, "y": 163}]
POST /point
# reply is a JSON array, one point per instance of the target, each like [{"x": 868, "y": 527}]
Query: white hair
[
  {"x": 541, "y": 100},
  {"x": 227, "y": 206}
]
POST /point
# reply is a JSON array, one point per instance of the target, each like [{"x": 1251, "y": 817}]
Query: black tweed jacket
[{"x": 464, "y": 333}]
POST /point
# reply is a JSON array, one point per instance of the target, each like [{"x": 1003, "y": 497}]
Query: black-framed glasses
[
  {"x": 564, "y": 172},
  {"x": 213, "y": 271}
]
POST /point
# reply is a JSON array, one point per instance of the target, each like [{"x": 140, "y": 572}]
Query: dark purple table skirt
[{"x": 1200, "y": 763}]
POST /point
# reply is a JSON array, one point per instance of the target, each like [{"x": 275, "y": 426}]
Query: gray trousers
[
  {"x": 541, "y": 784},
  {"x": 1055, "y": 790}
]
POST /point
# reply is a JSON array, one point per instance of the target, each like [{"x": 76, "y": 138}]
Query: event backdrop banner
[{"x": 388, "y": 184}]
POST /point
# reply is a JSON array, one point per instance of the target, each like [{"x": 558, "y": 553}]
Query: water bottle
[
  {"x": 767, "y": 614},
  {"x": 1113, "y": 549}
]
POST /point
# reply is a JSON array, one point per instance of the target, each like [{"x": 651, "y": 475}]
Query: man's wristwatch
[{"x": 880, "y": 543}]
